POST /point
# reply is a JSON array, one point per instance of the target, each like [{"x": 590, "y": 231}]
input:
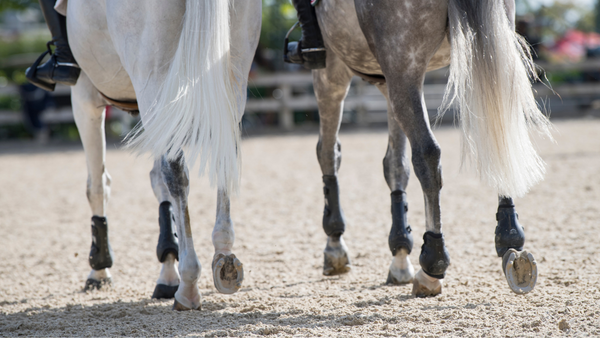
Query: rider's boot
[
  {"x": 310, "y": 50},
  {"x": 62, "y": 67}
]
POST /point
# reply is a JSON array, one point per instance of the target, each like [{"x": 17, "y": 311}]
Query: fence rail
[{"x": 292, "y": 92}]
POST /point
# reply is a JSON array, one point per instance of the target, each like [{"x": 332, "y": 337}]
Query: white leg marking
[
  {"x": 169, "y": 274},
  {"x": 401, "y": 268},
  {"x": 100, "y": 274},
  {"x": 425, "y": 285}
]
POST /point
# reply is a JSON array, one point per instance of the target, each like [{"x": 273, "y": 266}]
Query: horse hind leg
[
  {"x": 331, "y": 87},
  {"x": 426, "y": 158},
  {"x": 518, "y": 265},
  {"x": 167, "y": 249},
  {"x": 403, "y": 59},
  {"x": 228, "y": 270},
  {"x": 396, "y": 171},
  {"x": 89, "y": 116},
  {"x": 175, "y": 177}
]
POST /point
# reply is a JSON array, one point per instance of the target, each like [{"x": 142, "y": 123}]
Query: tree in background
[
  {"x": 278, "y": 16},
  {"x": 17, "y": 4}
]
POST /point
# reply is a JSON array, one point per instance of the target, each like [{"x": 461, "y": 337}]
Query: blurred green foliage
[
  {"x": 18, "y": 54},
  {"x": 10, "y": 102},
  {"x": 562, "y": 15},
  {"x": 24, "y": 44},
  {"x": 17, "y": 4},
  {"x": 278, "y": 16}
]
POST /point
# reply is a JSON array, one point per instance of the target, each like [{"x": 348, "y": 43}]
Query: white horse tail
[
  {"x": 197, "y": 108},
  {"x": 490, "y": 80}
]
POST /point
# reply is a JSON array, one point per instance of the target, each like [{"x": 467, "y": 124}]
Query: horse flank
[
  {"x": 490, "y": 79},
  {"x": 196, "y": 109}
]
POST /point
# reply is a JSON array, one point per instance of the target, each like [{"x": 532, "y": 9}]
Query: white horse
[{"x": 185, "y": 64}]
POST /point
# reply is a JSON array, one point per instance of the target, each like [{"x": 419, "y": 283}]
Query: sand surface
[{"x": 44, "y": 221}]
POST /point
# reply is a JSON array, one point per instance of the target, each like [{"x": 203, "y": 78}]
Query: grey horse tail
[{"x": 490, "y": 83}]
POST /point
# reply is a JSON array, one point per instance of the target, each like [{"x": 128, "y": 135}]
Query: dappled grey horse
[
  {"x": 392, "y": 44},
  {"x": 184, "y": 65}
]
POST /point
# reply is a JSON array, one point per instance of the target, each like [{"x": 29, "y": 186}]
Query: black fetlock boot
[
  {"x": 62, "y": 67},
  {"x": 310, "y": 50}
]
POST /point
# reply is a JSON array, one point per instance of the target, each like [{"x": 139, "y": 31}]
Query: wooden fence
[{"x": 292, "y": 92}]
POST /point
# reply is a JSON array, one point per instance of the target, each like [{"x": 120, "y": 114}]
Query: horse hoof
[
  {"x": 336, "y": 264},
  {"x": 94, "y": 284},
  {"x": 425, "y": 286},
  {"x": 401, "y": 270},
  {"x": 520, "y": 270},
  {"x": 162, "y": 291},
  {"x": 228, "y": 273},
  {"x": 177, "y": 306},
  {"x": 335, "y": 258},
  {"x": 405, "y": 277}
]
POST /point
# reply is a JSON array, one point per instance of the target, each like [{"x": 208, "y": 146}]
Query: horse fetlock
[
  {"x": 168, "y": 242},
  {"x": 189, "y": 267},
  {"x": 509, "y": 233},
  {"x": 335, "y": 257},
  {"x": 223, "y": 237},
  {"x": 187, "y": 296},
  {"x": 101, "y": 254},
  {"x": 434, "y": 258},
  {"x": 425, "y": 285},
  {"x": 401, "y": 233},
  {"x": 333, "y": 217},
  {"x": 401, "y": 270}
]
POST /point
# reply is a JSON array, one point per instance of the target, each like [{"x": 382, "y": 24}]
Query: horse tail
[
  {"x": 490, "y": 80},
  {"x": 198, "y": 106}
]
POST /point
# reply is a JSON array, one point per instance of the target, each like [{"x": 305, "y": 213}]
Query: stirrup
[
  {"x": 67, "y": 74},
  {"x": 310, "y": 58},
  {"x": 31, "y": 74}
]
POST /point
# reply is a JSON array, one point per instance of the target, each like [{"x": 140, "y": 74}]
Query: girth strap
[{"x": 129, "y": 106}]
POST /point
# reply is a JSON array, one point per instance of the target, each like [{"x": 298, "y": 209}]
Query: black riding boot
[
  {"x": 310, "y": 50},
  {"x": 62, "y": 67}
]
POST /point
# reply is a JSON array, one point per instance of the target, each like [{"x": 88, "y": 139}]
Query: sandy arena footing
[{"x": 44, "y": 221}]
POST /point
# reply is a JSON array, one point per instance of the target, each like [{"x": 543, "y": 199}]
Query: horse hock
[{"x": 101, "y": 253}]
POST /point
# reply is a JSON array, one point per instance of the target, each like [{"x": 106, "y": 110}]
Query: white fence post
[
  {"x": 361, "y": 109},
  {"x": 286, "y": 114}
]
